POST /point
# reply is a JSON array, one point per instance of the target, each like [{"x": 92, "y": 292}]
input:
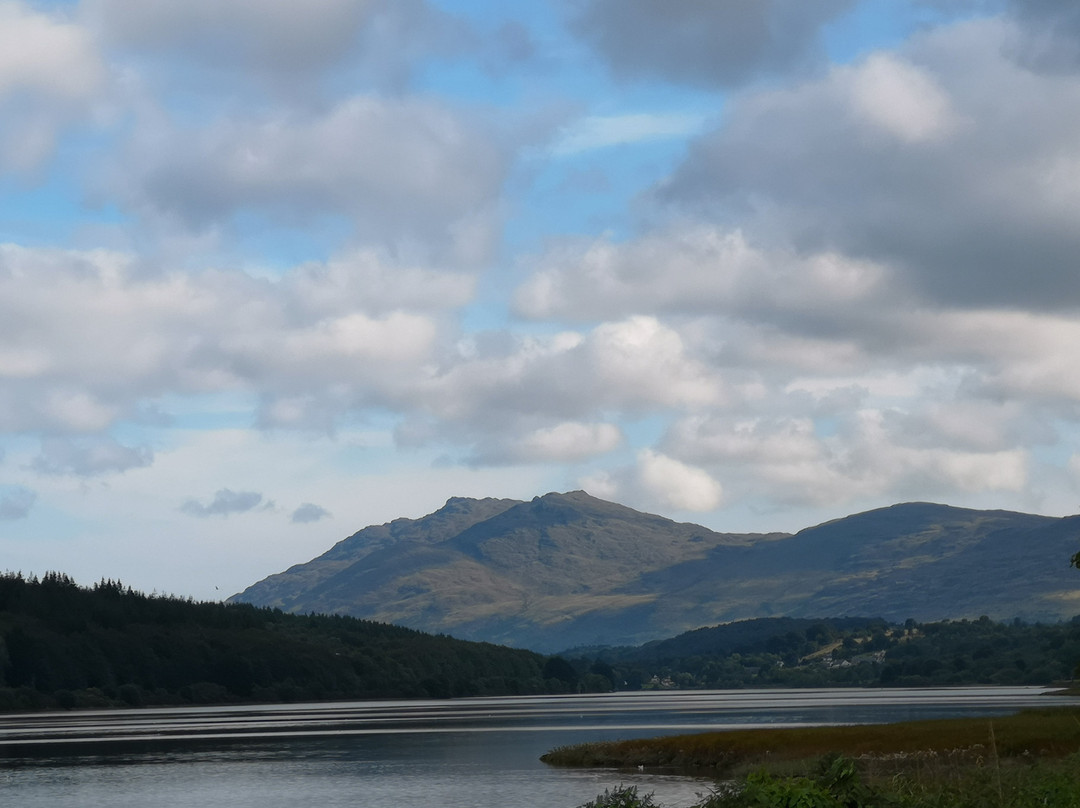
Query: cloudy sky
[{"x": 272, "y": 271}]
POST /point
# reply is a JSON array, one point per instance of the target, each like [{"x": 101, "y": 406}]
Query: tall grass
[
  {"x": 1045, "y": 733},
  {"x": 1027, "y": 760}
]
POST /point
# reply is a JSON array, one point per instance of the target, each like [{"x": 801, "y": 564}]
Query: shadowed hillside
[{"x": 568, "y": 569}]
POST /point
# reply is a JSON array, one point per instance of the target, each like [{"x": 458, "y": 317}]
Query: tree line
[
  {"x": 64, "y": 645},
  {"x": 860, "y": 652}
]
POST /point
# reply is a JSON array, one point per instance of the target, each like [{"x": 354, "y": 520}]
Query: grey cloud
[
  {"x": 406, "y": 173},
  {"x": 720, "y": 44},
  {"x": 309, "y": 512},
  {"x": 87, "y": 457},
  {"x": 16, "y": 504},
  {"x": 1050, "y": 39},
  {"x": 945, "y": 161},
  {"x": 281, "y": 39},
  {"x": 225, "y": 502}
]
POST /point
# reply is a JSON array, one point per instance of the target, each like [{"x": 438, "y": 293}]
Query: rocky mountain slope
[{"x": 570, "y": 569}]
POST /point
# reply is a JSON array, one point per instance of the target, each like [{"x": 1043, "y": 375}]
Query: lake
[{"x": 465, "y": 753}]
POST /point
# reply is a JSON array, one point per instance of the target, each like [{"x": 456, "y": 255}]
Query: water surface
[{"x": 467, "y": 753}]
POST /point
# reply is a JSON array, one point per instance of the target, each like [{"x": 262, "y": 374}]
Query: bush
[{"x": 621, "y": 797}]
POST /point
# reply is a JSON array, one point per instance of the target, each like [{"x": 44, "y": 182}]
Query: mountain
[{"x": 566, "y": 570}]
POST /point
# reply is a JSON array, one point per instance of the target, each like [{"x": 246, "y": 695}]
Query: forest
[
  {"x": 857, "y": 652},
  {"x": 63, "y": 645}
]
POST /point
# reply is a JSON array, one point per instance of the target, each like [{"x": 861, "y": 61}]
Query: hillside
[
  {"x": 568, "y": 570},
  {"x": 69, "y": 646}
]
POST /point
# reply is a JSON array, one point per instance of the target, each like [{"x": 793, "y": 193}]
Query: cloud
[
  {"x": 658, "y": 482},
  {"x": 565, "y": 442},
  {"x": 713, "y": 44},
  {"x": 225, "y": 502},
  {"x": 635, "y": 365},
  {"x": 603, "y": 131},
  {"x": 872, "y": 453},
  {"x": 284, "y": 42},
  {"x": 402, "y": 172},
  {"x": 86, "y": 338},
  {"x": 902, "y": 100},
  {"x": 510, "y": 399},
  {"x": 16, "y": 503},
  {"x": 910, "y": 160},
  {"x": 309, "y": 512},
  {"x": 1049, "y": 39},
  {"x": 695, "y": 268},
  {"x": 676, "y": 484},
  {"x": 50, "y": 75},
  {"x": 88, "y": 457}
]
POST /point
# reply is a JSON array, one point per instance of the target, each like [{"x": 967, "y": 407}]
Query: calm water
[{"x": 469, "y": 753}]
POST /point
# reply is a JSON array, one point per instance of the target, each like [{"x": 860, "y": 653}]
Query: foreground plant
[
  {"x": 621, "y": 797},
  {"x": 933, "y": 783}
]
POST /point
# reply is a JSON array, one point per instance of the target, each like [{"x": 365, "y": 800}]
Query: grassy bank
[
  {"x": 839, "y": 782},
  {"x": 1027, "y": 759},
  {"x": 1046, "y": 733}
]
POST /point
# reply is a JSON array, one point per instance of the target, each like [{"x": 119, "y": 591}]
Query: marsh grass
[
  {"x": 1027, "y": 760},
  {"x": 839, "y": 782},
  {"x": 1031, "y": 734}
]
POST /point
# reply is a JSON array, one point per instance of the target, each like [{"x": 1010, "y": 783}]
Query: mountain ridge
[{"x": 569, "y": 569}]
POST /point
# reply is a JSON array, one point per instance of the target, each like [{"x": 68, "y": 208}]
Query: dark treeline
[
  {"x": 62, "y": 645},
  {"x": 788, "y": 652}
]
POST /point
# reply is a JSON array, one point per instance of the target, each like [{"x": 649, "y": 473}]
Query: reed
[{"x": 1031, "y": 734}]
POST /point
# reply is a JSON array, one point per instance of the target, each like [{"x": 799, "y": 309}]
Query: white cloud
[
  {"x": 901, "y": 99},
  {"x": 634, "y": 365},
  {"x": 88, "y": 337},
  {"x": 50, "y": 75},
  {"x": 366, "y": 280},
  {"x": 695, "y": 268},
  {"x": 569, "y": 441},
  {"x": 676, "y": 484},
  {"x": 46, "y": 55},
  {"x": 603, "y": 131},
  {"x": 871, "y": 453}
]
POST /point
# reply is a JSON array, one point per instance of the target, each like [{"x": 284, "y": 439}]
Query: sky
[{"x": 273, "y": 271}]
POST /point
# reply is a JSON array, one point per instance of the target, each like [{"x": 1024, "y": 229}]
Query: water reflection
[{"x": 471, "y": 752}]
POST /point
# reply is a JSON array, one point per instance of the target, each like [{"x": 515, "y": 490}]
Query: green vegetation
[
  {"x": 1052, "y": 732},
  {"x": 62, "y": 645},
  {"x": 621, "y": 797},
  {"x": 1020, "y": 761},
  {"x": 862, "y": 652}
]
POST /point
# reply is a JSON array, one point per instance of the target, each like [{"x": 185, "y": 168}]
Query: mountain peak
[{"x": 566, "y": 569}]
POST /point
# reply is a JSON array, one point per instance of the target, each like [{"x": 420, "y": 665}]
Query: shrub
[{"x": 621, "y": 797}]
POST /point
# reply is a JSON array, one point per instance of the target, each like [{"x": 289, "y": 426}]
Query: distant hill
[{"x": 567, "y": 570}]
